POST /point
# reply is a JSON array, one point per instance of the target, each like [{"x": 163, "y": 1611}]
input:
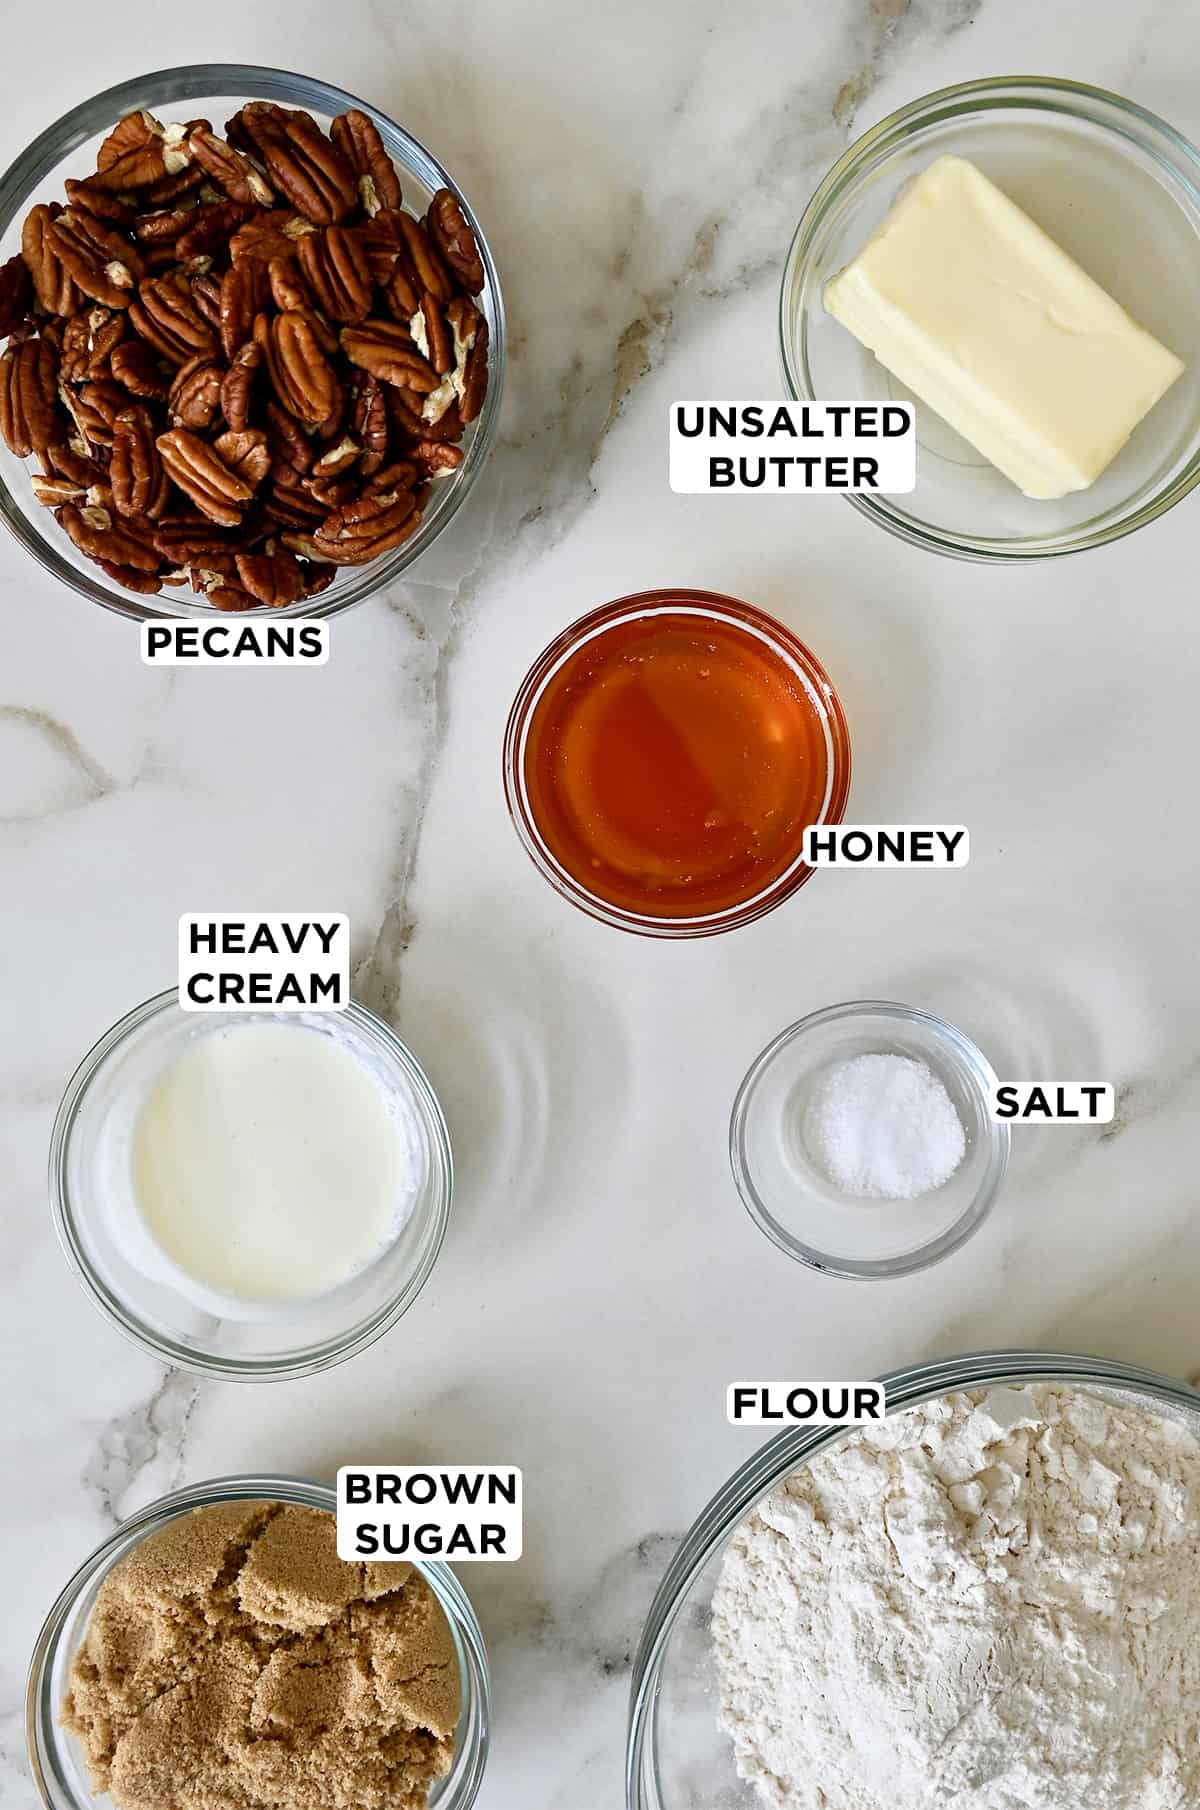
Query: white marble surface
[{"x": 640, "y": 170}]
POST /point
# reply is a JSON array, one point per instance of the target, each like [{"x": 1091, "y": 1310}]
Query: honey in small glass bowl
[{"x": 665, "y": 756}]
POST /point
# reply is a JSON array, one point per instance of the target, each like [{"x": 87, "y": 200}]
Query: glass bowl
[
  {"x": 677, "y": 1757},
  {"x": 139, "y": 1293},
  {"x": 56, "y": 1757},
  {"x": 1076, "y": 159},
  {"x": 804, "y": 1214},
  {"x": 810, "y": 677},
  {"x": 217, "y": 90}
]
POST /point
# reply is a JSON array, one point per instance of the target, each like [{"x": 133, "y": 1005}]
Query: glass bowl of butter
[
  {"x": 251, "y": 1194},
  {"x": 1019, "y": 259}
]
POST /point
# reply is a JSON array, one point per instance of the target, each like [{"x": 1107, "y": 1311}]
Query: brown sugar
[{"x": 234, "y": 1662}]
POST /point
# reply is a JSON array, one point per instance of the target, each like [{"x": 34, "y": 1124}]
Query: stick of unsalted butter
[{"x": 977, "y": 310}]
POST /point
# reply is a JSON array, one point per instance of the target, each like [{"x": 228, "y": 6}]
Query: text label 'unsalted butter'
[
  {"x": 1055, "y": 1102},
  {"x": 415, "y": 1511},
  {"x": 294, "y": 961},
  {"x": 805, "y": 1404},
  {"x": 788, "y": 448},
  {"x": 235, "y": 643}
]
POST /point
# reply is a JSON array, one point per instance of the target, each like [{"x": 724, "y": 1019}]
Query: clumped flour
[
  {"x": 234, "y": 1662},
  {"x": 991, "y": 1602}
]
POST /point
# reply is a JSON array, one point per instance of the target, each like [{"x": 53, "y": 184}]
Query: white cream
[
  {"x": 977, "y": 310},
  {"x": 266, "y": 1163}
]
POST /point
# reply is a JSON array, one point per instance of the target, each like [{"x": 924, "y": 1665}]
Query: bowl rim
[
  {"x": 305, "y": 1361},
  {"x": 907, "y": 1387},
  {"x": 195, "y": 81},
  {"x": 1050, "y": 94},
  {"x": 752, "y": 619},
  {"x": 41, "y": 1715},
  {"x": 967, "y": 1057}
]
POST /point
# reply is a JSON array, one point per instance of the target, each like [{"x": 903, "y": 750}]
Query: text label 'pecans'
[
  {"x": 414, "y": 1511},
  {"x": 286, "y": 960},
  {"x": 805, "y": 1404},
  {"x": 789, "y": 448},
  {"x": 235, "y": 643}
]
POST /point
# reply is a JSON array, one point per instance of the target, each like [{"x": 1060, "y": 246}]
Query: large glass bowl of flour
[{"x": 679, "y": 1757}]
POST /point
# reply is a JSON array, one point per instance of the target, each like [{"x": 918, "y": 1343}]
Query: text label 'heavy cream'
[
  {"x": 788, "y": 448},
  {"x": 805, "y": 1404},
  {"x": 887, "y": 845},
  {"x": 235, "y": 643},
  {"x": 416, "y": 1511},
  {"x": 1055, "y": 1102},
  {"x": 291, "y": 961}
]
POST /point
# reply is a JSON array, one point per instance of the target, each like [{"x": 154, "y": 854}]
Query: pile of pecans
[{"x": 239, "y": 362}]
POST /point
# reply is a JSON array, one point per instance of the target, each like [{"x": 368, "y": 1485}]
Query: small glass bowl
[
  {"x": 804, "y": 1214},
  {"x": 215, "y": 91},
  {"x": 57, "y": 1758},
  {"x": 1077, "y": 159},
  {"x": 677, "y": 1756},
  {"x": 809, "y": 674},
  {"x": 140, "y": 1297}
]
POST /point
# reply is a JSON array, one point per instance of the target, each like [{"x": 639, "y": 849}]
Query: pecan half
[
  {"x": 448, "y": 228},
  {"x": 101, "y": 536},
  {"x": 183, "y": 540},
  {"x": 276, "y": 579},
  {"x": 136, "y": 167},
  {"x": 210, "y": 224},
  {"x": 357, "y": 138},
  {"x": 228, "y": 168},
  {"x": 16, "y": 294},
  {"x": 237, "y": 386},
  {"x": 89, "y": 339},
  {"x": 135, "y": 129},
  {"x": 304, "y": 165},
  {"x": 95, "y": 408},
  {"x": 289, "y": 504},
  {"x": 52, "y": 493},
  {"x": 435, "y": 458},
  {"x": 369, "y": 420},
  {"x": 243, "y": 295},
  {"x": 215, "y": 490},
  {"x": 338, "y": 459},
  {"x": 29, "y": 420},
  {"x": 424, "y": 259},
  {"x": 206, "y": 294},
  {"x": 163, "y": 225},
  {"x": 52, "y": 281},
  {"x": 167, "y": 318},
  {"x": 401, "y": 296},
  {"x": 145, "y": 583},
  {"x": 369, "y": 527},
  {"x": 246, "y": 453},
  {"x": 384, "y": 243},
  {"x": 472, "y": 386},
  {"x": 338, "y": 273},
  {"x": 140, "y": 485},
  {"x": 95, "y": 199},
  {"x": 272, "y": 235},
  {"x": 62, "y": 461},
  {"x": 433, "y": 335},
  {"x": 301, "y": 374},
  {"x": 103, "y": 262},
  {"x": 195, "y": 395},
  {"x": 135, "y": 367},
  {"x": 287, "y": 291},
  {"x": 386, "y": 350},
  {"x": 289, "y": 444}
]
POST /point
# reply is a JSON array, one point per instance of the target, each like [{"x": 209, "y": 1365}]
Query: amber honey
[{"x": 672, "y": 750}]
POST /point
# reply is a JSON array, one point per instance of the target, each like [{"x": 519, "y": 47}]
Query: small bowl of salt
[{"x": 862, "y": 1140}]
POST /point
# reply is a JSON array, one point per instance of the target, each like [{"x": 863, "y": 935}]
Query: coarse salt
[{"x": 884, "y": 1127}]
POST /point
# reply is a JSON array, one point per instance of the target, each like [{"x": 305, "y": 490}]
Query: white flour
[{"x": 992, "y": 1602}]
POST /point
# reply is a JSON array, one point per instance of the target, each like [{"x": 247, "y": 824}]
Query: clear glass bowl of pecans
[{"x": 255, "y": 346}]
